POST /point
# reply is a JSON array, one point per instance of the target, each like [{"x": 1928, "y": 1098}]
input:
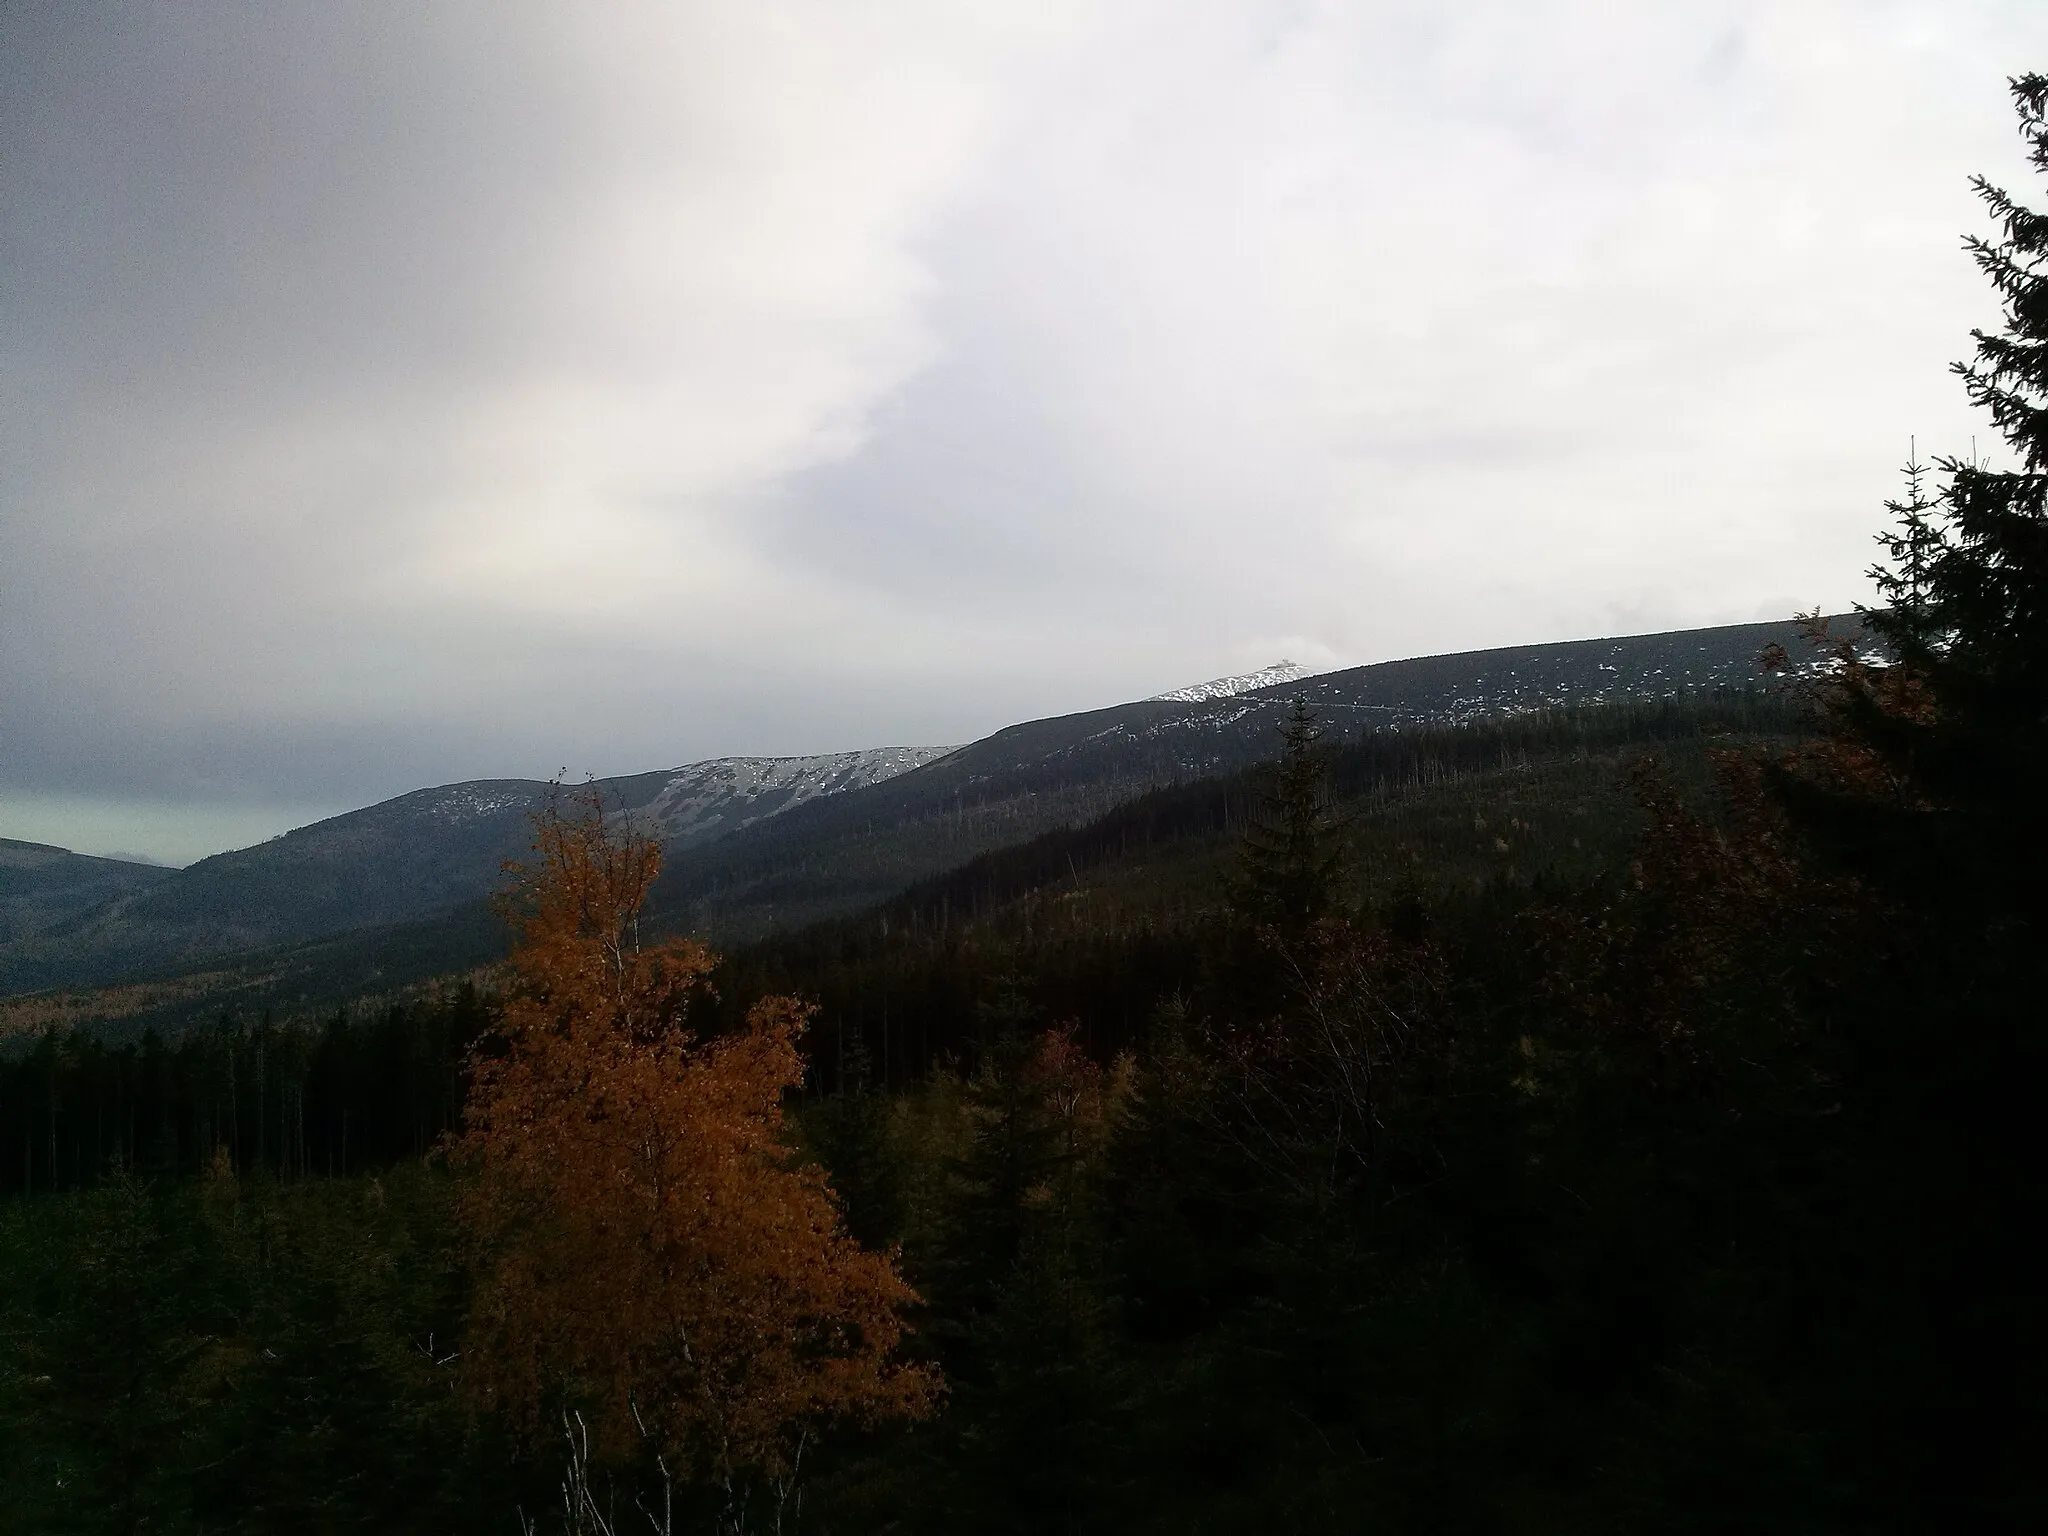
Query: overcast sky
[{"x": 394, "y": 394}]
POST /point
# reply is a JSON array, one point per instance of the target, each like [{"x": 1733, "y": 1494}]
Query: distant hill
[
  {"x": 758, "y": 845},
  {"x": 41, "y": 886},
  {"x": 401, "y": 860},
  {"x": 838, "y": 855}
]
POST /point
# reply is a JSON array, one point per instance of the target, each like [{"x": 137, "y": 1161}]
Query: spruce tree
[
  {"x": 1964, "y": 612},
  {"x": 1292, "y": 857},
  {"x": 1928, "y": 791}
]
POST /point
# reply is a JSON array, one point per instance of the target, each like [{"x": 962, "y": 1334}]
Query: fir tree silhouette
[
  {"x": 1928, "y": 791},
  {"x": 1292, "y": 862},
  {"x": 1953, "y": 733}
]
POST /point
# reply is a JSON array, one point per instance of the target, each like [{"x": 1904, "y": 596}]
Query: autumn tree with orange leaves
[{"x": 647, "y": 1250}]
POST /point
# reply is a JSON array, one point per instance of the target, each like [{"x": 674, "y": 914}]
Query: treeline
[
  {"x": 1668, "y": 1202},
  {"x": 1095, "y": 924},
  {"x": 1371, "y": 769},
  {"x": 1676, "y": 1198},
  {"x": 227, "y": 1354},
  {"x": 900, "y": 985},
  {"x": 291, "y": 1100}
]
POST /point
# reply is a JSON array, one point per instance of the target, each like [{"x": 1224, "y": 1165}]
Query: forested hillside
[
  {"x": 422, "y": 856},
  {"x": 1104, "y": 920},
  {"x": 1618, "y": 1115},
  {"x": 979, "y": 1036},
  {"x": 835, "y": 856},
  {"x": 1481, "y": 1124},
  {"x": 386, "y": 897},
  {"x": 41, "y": 886}
]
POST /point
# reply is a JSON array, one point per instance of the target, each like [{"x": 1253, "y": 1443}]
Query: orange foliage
[
  {"x": 645, "y": 1245},
  {"x": 1862, "y": 705}
]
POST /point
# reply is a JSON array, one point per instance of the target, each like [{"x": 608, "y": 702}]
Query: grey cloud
[
  {"x": 393, "y": 395},
  {"x": 267, "y": 198}
]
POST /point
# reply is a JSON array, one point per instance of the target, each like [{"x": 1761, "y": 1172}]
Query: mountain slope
[
  {"x": 764, "y": 844},
  {"x": 1173, "y": 847},
  {"x": 41, "y": 886},
  {"x": 1242, "y": 682},
  {"x": 707, "y": 800},
  {"x": 848, "y": 852},
  {"x": 400, "y": 860}
]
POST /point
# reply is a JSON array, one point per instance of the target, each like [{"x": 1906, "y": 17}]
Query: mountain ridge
[
  {"x": 421, "y": 852},
  {"x": 758, "y": 843},
  {"x": 42, "y": 885},
  {"x": 1282, "y": 671},
  {"x": 1028, "y": 778}
]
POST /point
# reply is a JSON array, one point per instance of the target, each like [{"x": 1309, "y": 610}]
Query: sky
[{"x": 393, "y": 394}]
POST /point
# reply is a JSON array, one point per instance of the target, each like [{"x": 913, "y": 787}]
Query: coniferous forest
[{"x": 1616, "y": 1119}]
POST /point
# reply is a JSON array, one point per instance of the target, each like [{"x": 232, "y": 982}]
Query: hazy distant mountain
[
  {"x": 41, "y": 885},
  {"x": 407, "y": 858},
  {"x": 757, "y": 843}
]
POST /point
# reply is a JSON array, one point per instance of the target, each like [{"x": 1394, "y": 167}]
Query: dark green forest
[{"x": 1614, "y": 1119}]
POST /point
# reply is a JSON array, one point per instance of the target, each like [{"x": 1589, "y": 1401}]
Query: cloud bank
[{"x": 389, "y": 395}]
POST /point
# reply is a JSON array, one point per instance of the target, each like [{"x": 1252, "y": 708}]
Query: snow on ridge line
[
  {"x": 1228, "y": 687},
  {"x": 733, "y": 791},
  {"x": 693, "y": 792},
  {"x": 868, "y": 765}
]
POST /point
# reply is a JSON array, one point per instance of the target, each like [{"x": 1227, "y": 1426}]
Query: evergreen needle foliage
[{"x": 1293, "y": 858}]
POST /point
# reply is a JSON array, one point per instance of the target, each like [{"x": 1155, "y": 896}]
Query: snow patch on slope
[
  {"x": 455, "y": 804},
  {"x": 1226, "y": 687},
  {"x": 703, "y": 800}
]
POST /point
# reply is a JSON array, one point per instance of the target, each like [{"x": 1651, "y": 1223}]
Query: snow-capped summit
[{"x": 1226, "y": 687}]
